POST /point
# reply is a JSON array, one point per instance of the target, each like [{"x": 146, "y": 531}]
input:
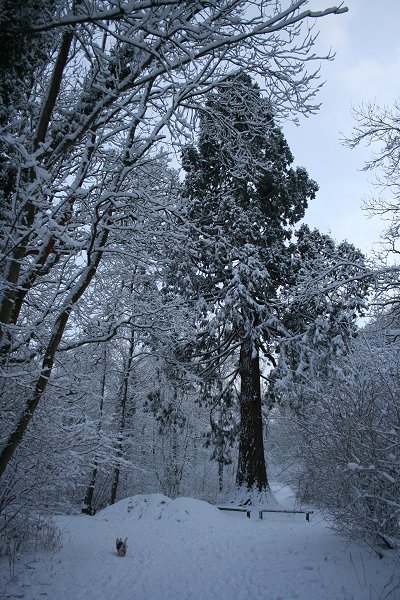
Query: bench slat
[
  {"x": 233, "y": 509},
  {"x": 275, "y": 510}
]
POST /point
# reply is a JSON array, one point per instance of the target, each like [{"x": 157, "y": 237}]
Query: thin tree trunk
[
  {"x": 54, "y": 89},
  {"x": 88, "y": 508},
  {"x": 117, "y": 472},
  {"x": 8, "y": 301},
  {"x": 220, "y": 474},
  {"x": 17, "y": 435},
  {"x": 221, "y": 452},
  {"x": 123, "y": 399},
  {"x": 251, "y": 471}
]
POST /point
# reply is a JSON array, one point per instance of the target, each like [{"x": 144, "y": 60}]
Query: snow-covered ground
[{"x": 186, "y": 549}]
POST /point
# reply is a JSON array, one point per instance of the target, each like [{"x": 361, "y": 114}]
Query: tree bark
[
  {"x": 88, "y": 508},
  {"x": 251, "y": 471},
  {"x": 220, "y": 475}
]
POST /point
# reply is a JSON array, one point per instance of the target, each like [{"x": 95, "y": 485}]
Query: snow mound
[
  {"x": 154, "y": 507},
  {"x": 135, "y": 507},
  {"x": 189, "y": 509}
]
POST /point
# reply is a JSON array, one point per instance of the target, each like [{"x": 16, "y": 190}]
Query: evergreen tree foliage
[
  {"x": 243, "y": 197},
  {"x": 322, "y": 301}
]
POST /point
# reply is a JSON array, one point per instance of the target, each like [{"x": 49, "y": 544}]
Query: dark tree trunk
[
  {"x": 122, "y": 401},
  {"x": 8, "y": 303},
  {"x": 220, "y": 475},
  {"x": 88, "y": 506},
  {"x": 251, "y": 472},
  {"x": 115, "y": 483}
]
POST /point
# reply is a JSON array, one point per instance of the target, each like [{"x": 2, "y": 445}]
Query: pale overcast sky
[{"x": 367, "y": 67}]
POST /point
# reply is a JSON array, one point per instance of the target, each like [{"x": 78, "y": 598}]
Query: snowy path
[{"x": 188, "y": 550}]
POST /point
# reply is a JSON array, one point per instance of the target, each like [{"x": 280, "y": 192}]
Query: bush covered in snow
[
  {"x": 23, "y": 532},
  {"x": 350, "y": 448}
]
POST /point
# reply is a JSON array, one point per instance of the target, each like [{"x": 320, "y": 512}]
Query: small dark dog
[{"x": 122, "y": 547}]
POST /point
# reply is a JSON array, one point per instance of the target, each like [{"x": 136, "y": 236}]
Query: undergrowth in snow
[{"x": 186, "y": 549}]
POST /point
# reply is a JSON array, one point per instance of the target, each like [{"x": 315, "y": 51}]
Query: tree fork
[{"x": 88, "y": 507}]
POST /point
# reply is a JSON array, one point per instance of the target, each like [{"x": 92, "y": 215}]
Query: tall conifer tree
[{"x": 243, "y": 198}]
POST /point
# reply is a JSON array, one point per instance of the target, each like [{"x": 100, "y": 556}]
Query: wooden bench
[
  {"x": 273, "y": 510},
  {"x": 234, "y": 509}
]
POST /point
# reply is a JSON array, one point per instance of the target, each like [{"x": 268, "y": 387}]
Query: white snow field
[{"x": 187, "y": 549}]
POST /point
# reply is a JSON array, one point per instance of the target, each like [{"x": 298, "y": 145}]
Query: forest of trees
[{"x": 167, "y": 323}]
